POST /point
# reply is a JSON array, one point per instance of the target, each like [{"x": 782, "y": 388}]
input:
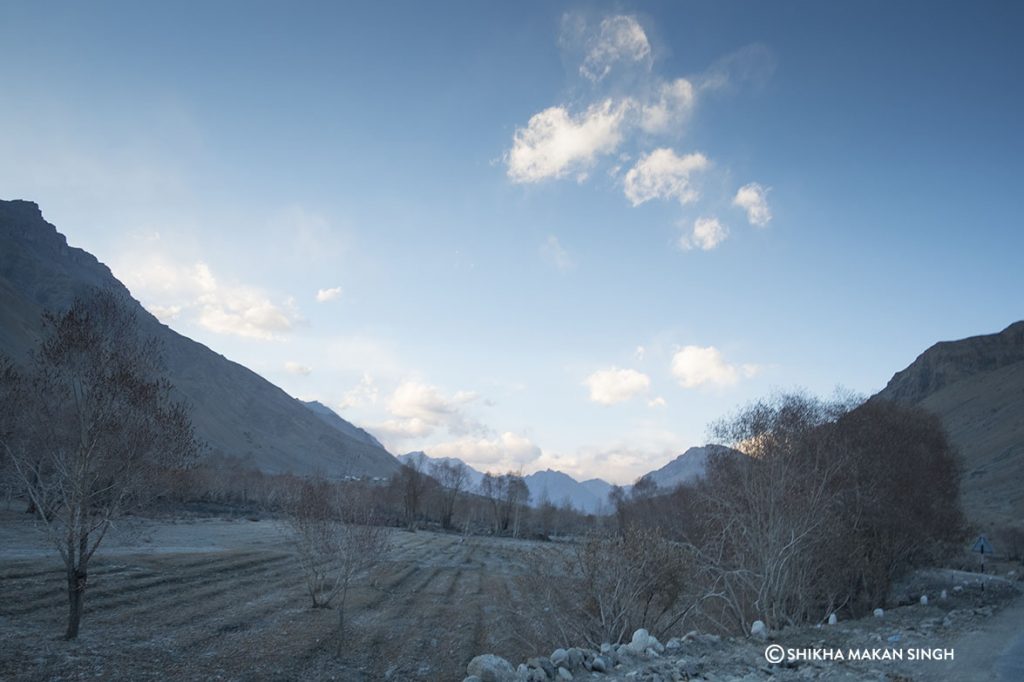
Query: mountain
[
  {"x": 976, "y": 386},
  {"x": 474, "y": 477},
  {"x": 685, "y": 468},
  {"x": 560, "y": 488},
  {"x": 598, "y": 487},
  {"x": 237, "y": 412},
  {"x": 556, "y": 487},
  {"x": 331, "y": 418}
]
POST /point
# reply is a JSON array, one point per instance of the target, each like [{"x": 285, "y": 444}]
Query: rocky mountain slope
[
  {"x": 685, "y": 468},
  {"x": 237, "y": 412},
  {"x": 333, "y": 419},
  {"x": 976, "y": 386}
]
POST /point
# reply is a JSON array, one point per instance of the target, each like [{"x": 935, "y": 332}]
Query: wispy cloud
[
  {"x": 753, "y": 199},
  {"x": 663, "y": 174},
  {"x": 505, "y": 452},
  {"x": 634, "y": 114},
  {"x": 297, "y": 368},
  {"x": 555, "y": 255},
  {"x": 619, "y": 39},
  {"x": 174, "y": 292}
]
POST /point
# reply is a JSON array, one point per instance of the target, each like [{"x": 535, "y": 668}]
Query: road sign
[{"x": 982, "y": 546}]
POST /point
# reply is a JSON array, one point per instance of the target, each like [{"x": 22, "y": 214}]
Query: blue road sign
[{"x": 982, "y": 546}]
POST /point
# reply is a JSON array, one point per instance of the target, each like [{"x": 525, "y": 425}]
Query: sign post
[{"x": 982, "y": 546}]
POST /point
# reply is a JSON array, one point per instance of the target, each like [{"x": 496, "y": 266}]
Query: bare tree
[
  {"x": 506, "y": 494},
  {"x": 335, "y": 542},
  {"x": 452, "y": 477},
  {"x": 88, "y": 428},
  {"x": 412, "y": 482}
]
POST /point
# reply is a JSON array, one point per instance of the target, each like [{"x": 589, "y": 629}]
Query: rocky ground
[{"x": 962, "y": 615}]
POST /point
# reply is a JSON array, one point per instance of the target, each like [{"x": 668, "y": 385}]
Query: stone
[
  {"x": 559, "y": 657},
  {"x": 564, "y": 674},
  {"x": 472, "y": 678},
  {"x": 491, "y": 668},
  {"x": 575, "y": 659},
  {"x": 924, "y": 600},
  {"x": 944, "y": 595},
  {"x": 600, "y": 664},
  {"x": 543, "y": 664},
  {"x": 639, "y": 642},
  {"x": 832, "y": 620},
  {"x": 759, "y": 630},
  {"x": 653, "y": 643},
  {"x": 879, "y": 613}
]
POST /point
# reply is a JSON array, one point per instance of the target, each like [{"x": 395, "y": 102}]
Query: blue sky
[{"x": 533, "y": 235}]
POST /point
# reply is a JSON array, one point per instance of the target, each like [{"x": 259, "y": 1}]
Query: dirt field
[{"x": 219, "y": 599}]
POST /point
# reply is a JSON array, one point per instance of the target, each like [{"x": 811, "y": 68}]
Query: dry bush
[
  {"x": 605, "y": 587},
  {"x": 1011, "y": 541}
]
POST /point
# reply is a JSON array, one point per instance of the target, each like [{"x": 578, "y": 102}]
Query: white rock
[
  {"x": 759, "y": 630},
  {"x": 879, "y": 613},
  {"x": 958, "y": 588},
  {"x": 491, "y": 668},
  {"x": 638, "y": 645},
  {"x": 559, "y": 656},
  {"x": 564, "y": 674},
  {"x": 944, "y": 595},
  {"x": 832, "y": 620},
  {"x": 924, "y": 600}
]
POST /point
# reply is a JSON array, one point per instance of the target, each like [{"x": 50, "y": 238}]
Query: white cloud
[
  {"x": 656, "y": 402},
  {"x": 165, "y": 313},
  {"x": 555, "y": 144},
  {"x": 325, "y": 295},
  {"x": 640, "y": 352},
  {"x": 170, "y": 291},
  {"x": 707, "y": 233},
  {"x": 507, "y": 452},
  {"x": 610, "y": 386},
  {"x": 671, "y": 109},
  {"x": 663, "y": 174},
  {"x": 621, "y": 39},
  {"x": 420, "y": 409},
  {"x": 363, "y": 393},
  {"x": 753, "y": 198},
  {"x": 695, "y": 366},
  {"x": 555, "y": 254},
  {"x": 297, "y": 368}
]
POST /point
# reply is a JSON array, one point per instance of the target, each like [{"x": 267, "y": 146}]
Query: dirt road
[{"x": 994, "y": 652}]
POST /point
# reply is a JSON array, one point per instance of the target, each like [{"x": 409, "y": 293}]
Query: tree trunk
[{"x": 76, "y": 596}]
